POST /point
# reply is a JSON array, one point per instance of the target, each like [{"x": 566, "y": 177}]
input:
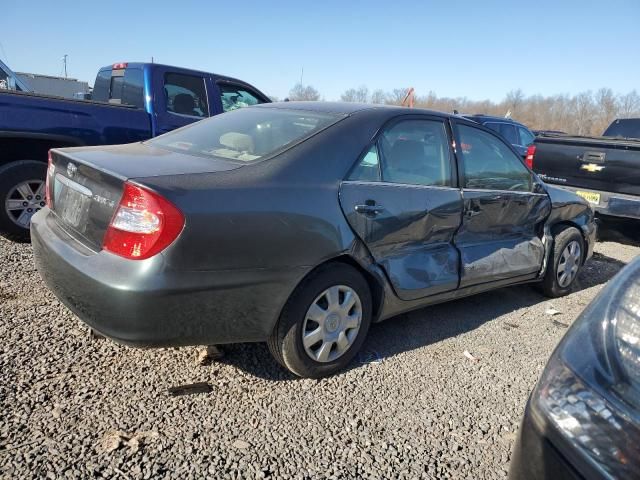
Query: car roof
[
  {"x": 482, "y": 117},
  {"x": 347, "y": 108}
]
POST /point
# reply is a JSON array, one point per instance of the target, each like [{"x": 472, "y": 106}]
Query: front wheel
[
  {"x": 564, "y": 263},
  {"x": 324, "y": 322},
  {"x": 22, "y": 193}
]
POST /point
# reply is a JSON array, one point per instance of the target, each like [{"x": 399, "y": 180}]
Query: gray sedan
[{"x": 298, "y": 224}]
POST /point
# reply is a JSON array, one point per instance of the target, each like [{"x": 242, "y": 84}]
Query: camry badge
[
  {"x": 71, "y": 169},
  {"x": 592, "y": 167}
]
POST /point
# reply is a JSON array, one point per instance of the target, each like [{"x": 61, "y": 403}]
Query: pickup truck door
[
  {"x": 402, "y": 201},
  {"x": 181, "y": 97},
  {"x": 504, "y": 210}
]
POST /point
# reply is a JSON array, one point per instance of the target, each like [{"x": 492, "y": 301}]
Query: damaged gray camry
[{"x": 298, "y": 224}]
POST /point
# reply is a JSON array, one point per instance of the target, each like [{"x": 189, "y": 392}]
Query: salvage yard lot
[{"x": 412, "y": 404}]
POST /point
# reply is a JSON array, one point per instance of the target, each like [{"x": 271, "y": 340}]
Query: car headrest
[
  {"x": 183, "y": 103},
  {"x": 237, "y": 141},
  {"x": 407, "y": 155}
]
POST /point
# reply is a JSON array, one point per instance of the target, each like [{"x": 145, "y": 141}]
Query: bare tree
[
  {"x": 303, "y": 93},
  {"x": 629, "y": 104},
  {"x": 361, "y": 95},
  {"x": 378, "y": 96},
  {"x": 396, "y": 96}
]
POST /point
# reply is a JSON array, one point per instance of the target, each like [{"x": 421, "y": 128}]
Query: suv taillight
[
  {"x": 143, "y": 225},
  {"x": 528, "y": 160},
  {"x": 48, "y": 180}
]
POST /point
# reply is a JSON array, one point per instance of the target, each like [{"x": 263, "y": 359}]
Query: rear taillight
[
  {"x": 528, "y": 159},
  {"x": 143, "y": 225},
  {"x": 48, "y": 180}
]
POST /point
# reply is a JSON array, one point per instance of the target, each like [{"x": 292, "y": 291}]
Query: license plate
[
  {"x": 71, "y": 201},
  {"x": 591, "y": 197}
]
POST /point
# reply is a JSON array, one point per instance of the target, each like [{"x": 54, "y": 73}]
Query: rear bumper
[
  {"x": 614, "y": 204},
  {"x": 146, "y": 303}
]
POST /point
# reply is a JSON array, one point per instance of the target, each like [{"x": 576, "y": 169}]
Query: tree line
[{"x": 586, "y": 113}]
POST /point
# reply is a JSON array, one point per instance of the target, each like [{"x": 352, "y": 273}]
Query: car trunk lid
[{"x": 86, "y": 184}]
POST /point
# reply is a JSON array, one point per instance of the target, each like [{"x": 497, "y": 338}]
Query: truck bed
[{"x": 84, "y": 122}]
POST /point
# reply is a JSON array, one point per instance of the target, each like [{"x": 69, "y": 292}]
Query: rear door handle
[{"x": 369, "y": 210}]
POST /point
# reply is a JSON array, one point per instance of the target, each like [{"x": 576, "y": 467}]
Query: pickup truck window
[
  {"x": 120, "y": 87},
  {"x": 186, "y": 95},
  {"x": 624, "y": 128},
  {"x": 488, "y": 163},
  {"x": 234, "y": 97}
]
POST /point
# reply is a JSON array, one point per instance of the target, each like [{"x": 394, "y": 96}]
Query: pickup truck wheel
[
  {"x": 22, "y": 193},
  {"x": 324, "y": 322},
  {"x": 565, "y": 262}
]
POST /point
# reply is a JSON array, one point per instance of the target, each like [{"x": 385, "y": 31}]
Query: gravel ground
[{"x": 411, "y": 406}]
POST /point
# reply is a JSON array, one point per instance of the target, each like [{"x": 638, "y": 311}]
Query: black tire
[
  {"x": 11, "y": 175},
  {"x": 562, "y": 238},
  {"x": 286, "y": 343}
]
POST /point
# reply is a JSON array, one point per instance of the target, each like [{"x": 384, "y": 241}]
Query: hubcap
[
  {"x": 23, "y": 201},
  {"x": 569, "y": 263},
  {"x": 332, "y": 323}
]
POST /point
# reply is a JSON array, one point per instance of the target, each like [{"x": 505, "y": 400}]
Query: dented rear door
[{"x": 403, "y": 202}]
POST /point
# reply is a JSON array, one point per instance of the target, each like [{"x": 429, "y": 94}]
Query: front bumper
[
  {"x": 613, "y": 204},
  {"x": 536, "y": 458},
  {"x": 147, "y": 303}
]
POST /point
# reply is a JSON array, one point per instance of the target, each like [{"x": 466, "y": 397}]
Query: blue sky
[{"x": 474, "y": 49}]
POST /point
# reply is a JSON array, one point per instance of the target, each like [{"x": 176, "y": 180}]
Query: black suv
[{"x": 513, "y": 132}]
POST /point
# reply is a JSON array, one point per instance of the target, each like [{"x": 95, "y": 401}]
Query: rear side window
[
  {"x": 246, "y": 134},
  {"x": 507, "y": 130},
  {"x": 489, "y": 164},
  {"x": 234, "y": 97},
  {"x": 186, "y": 95},
  {"x": 414, "y": 152}
]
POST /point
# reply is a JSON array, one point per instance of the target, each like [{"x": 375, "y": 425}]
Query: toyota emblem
[{"x": 71, "y": 169}]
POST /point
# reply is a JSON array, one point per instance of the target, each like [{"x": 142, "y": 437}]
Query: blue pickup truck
[{"x": 131, "y": 102}]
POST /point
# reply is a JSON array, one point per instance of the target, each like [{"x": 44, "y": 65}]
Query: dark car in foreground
[
  {"x": 583, "y": 418},
  {"x": 604, "y": 170},
  {"x": 517, "y": 134},
  {"x": 298, "y": 224}
]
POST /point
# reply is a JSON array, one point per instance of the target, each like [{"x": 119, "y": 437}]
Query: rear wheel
[
  {"x": 565, "y": 262},
  {"x": 324, "y": 322},
  {"x": 22, "y": 193}
]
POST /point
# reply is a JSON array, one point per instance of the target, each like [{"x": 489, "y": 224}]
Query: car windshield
[{"x": 246, "y": 134}]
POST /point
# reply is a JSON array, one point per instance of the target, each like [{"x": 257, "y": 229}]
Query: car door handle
[{"x": 369, "y": 210}]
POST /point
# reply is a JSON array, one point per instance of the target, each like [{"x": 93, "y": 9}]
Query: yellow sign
[
  {"x": 591, "y": 197},
  {"x": 592, "y": 167}
]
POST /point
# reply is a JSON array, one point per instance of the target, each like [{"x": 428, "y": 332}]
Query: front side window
[
  {"x": 414, "y": 152},
  {"x": 186, "y": 95},
  {"x": 526, "y": 137},
  {"x": 234, "y": 97},
  {"x": 246, "y": 134},
  {"x": 490, "y": 164}
]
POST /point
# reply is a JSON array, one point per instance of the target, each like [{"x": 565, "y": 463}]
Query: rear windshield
[
  {"x": 246, "y": 134},
  {"x": 626, "y": 128}
]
